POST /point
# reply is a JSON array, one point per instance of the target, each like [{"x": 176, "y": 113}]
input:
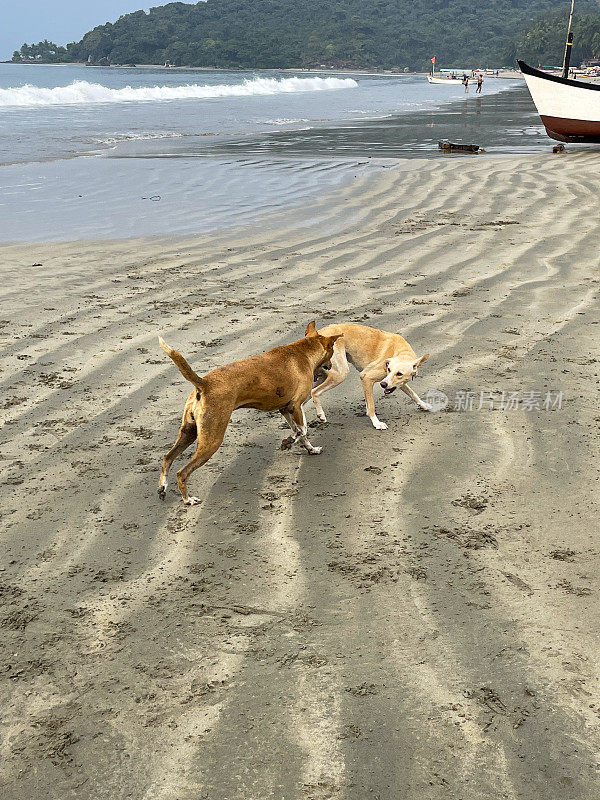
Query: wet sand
[{"x": 412, "y": 615}]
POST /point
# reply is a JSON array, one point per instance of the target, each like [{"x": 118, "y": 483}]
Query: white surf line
[{"x": 85, "y": 93}]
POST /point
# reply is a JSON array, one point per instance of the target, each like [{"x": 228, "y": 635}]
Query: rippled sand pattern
[{"x": 412, "y": 615}]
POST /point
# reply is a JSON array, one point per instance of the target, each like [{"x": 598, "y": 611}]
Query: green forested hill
[
  {"x": 293, "y": 33},
  {"x": 544, "y": 40}
]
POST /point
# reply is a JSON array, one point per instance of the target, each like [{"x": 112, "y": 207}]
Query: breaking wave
[{"x": 84, "y": 93}]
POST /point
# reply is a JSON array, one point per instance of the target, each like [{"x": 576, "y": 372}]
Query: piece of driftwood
[{"x": 452, "y": 147}]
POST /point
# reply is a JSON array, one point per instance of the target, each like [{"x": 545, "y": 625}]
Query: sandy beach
[{"x": 412, "y": 615}]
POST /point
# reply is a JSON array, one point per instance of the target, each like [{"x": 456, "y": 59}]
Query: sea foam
[{"x": 84, "y": 93}]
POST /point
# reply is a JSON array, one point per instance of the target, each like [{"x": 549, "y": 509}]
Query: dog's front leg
[
  {"x": 368, "y": 381},
  {"x": 414, "y": 396},
  {"x": 287, "y": 443},
  {"x": 299, "y": 420}
]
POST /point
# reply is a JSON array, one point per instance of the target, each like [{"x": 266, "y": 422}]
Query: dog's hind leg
[
  {"x": 187, "y": 434},
  {"x": 211, "y": 431},
  {"x": 337, "y": 374},
  {"x": 299, "y": 418}
]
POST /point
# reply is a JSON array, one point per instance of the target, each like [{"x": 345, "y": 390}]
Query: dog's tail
[{"x": 185, "y": 369}]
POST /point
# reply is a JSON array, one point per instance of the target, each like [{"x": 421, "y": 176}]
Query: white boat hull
[
  {"x": 450, "y": 81},
  {"x": 570, "y": 110}
]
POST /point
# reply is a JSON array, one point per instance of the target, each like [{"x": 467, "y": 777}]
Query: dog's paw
[
  {"x": 321, "y": 417},
  {"x": 427, "y": 407},
  {"x": 316, "y": 451},
  {"x": 380, "y": 426},
  {"x": 162, "y": 492},
  {"x": 286, "y": 444},
  {"x": 192, "y": 501}
]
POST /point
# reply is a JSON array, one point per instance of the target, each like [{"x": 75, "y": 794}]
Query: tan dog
[
  {"x": 379, "y": 356},
  {"x": 278, "y": 380}
]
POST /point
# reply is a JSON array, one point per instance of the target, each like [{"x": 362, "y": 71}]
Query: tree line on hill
[
  {"x": 543, "y": 41},
  {"x": 382, "y": 34}
]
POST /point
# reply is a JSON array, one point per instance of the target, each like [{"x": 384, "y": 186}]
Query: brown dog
[{"x": 278, "y": 380}]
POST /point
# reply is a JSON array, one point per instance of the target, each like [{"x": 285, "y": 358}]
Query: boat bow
[{"x": 569, "y": 109}]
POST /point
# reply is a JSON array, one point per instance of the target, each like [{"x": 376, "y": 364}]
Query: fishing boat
[
  {"x": 569, "y": 109},
  {"x": 457, "y": 81},
  {"x": 455, "y": 77}
]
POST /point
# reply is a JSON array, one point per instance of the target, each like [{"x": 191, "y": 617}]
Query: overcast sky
[{"x": 61, "y": 21}]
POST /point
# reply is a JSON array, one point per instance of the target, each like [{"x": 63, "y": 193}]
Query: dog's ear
[
  {"x": 311, "y": 329},
  {"x": 420, "y": 361},
  {"x": 329, "y": 341}
]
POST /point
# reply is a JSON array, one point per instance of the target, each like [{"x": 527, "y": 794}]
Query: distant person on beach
[
  {"x": 466, "y": 82},
  {"x": 479, "y": 84}
]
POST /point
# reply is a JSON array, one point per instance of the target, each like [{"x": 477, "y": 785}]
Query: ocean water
[{"x": 88, "y": 152}]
